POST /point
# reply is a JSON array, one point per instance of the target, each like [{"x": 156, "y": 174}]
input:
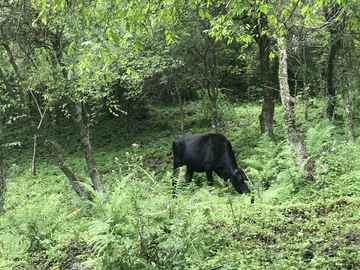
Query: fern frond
[{"x": 319, "y": 137}]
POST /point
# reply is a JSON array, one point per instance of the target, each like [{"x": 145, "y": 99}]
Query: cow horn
[
  {"x": 237, "y": 171},
  {"x": 245, "y": 171}
]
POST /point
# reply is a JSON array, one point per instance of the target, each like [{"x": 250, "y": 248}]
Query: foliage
[
  {"x": 138, "y": 225},
  {"x": 123, "y": 57}
]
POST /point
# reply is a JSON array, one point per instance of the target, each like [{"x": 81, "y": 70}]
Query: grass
[{"x": 139, "y": 226}]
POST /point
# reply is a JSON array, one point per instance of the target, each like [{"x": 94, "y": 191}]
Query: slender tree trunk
[
  {"x": 214, "y": 117},
  {"x": 2, "y": 176},
  {"x": 60, "y": 163},
  {"x": 349, "y": 113},
  {"x": 306, "y": 90},
  {"x": 180, "y": 104},
  {"x": 267, "y": 113},
  {"x": 337, "y": 20},
  {"x": 347, "y": 104},
  {"x": 84, "y": 135},
  {"x": 33, "y": 162},
  {"x": 42, "y": 115},
  {"x": 127, "y": 119},
  {"x": 288, "y": 103},
  {"x": 214, "y": 88},
  {"x": 330, "y": 84}
]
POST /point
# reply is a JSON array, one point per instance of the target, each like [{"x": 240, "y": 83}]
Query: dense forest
[{"x": 93, "y": 94}]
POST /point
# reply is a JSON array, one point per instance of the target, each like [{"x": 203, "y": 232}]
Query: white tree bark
[{"x": 302, "y": 157}]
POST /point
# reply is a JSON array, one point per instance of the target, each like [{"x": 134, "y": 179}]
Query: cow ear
[{"x": 236, "y": 171}]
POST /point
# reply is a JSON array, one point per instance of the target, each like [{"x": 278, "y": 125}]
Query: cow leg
[
  {"x": 188, "y": 175},
  {"x": 175, "y": 177},
  {"x": 175, "y": 180},
  {"x": 209, "y": 178}
]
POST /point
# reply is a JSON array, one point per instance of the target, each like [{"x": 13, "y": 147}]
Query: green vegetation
[
  {"x": 138, "y": 225},
  {"x": 93, "y": 93}
]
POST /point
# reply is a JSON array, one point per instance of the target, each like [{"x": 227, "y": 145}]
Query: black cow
[{"x": 207, "y": 153}]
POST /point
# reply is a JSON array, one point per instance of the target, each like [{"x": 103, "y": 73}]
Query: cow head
[{"x": 238, "y": 179}]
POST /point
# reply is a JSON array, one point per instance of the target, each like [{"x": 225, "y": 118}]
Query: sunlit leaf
[
  {"x": 70, "y": 46},
  {"x": 304, "y": 9},
  {"x": 115, "y": 38},
  {"x": 43, "y": 20},
  {"x": 201, "y": 13}
]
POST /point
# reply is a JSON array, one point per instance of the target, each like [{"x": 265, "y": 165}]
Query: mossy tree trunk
[
  {"x": 347, "y": 105},
  {"x": 293, "y": 138},
  {"x": 49, "y": 146},
  {"x": 180, "y": 102},
  {"x": 267, "y": 113},
  {"x": 75, "y": 110},
  {"x": 334, "y": 18},
  {"x": 212, "y": 80},
  {"x": 2, "y": 175},
  {"x": 306, "y": 90}
]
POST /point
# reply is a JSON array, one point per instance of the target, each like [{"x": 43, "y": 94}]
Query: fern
[
  {"x": 263, "y": 164},
  {"x": 288, "y": 170},
  {"x": 101, "y": 236},
  {"x": 318, "y": 139}
]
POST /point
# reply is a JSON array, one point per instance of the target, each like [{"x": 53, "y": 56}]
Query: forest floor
[{"x": 294, "y": 224}]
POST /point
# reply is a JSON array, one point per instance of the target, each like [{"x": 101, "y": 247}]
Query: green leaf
[
  {"x": 43, "y": 20},
  {"x": 69, "y": 75},
  {"x": 138, "y": 45},
  {"x": 356, "y": 41},
  {"x": 70, "y": 46},
  {"x": 304, "y": 9},
  {"x": 122, "y": 13},
  {"x": 193, "y": 6},
  {"x": 134, "y": 74},
  {"x": 264, "y": 8},
  {"x": 115, "y": 38},
  {"x": 108, "y": 78},
  {"x": 85, "y": 11},
  {"x": 271, "y": 56},
  {"x": 201, "y": 13},
  {"x": 207, "y": 15}
]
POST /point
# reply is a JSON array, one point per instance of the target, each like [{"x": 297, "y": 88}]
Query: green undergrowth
[{"x": 295, "y": 224}]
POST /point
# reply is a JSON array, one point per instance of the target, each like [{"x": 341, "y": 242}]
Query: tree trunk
[
  {"x": 127, "y": 119},
  {"x": 267, "y": 113},
  {"x": 306, "y": 90},
  {"x": 2, "y": 176},
  {"x": 33, "y": 162},
  {"x": 214, "y": 116},
  {"x": 42, "y": 115},
  {"x": 330, "y": 84},
  {"x": 180, "y": 104},
  {"x": 347, "y": 104},
  {"x": 51, "y": 149},
  {"x": 288, "y": 103},
  {"x": 84, "y": 136},
  {"x": 214, "y": 89},
  {"x": 334, "y": 17}
]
